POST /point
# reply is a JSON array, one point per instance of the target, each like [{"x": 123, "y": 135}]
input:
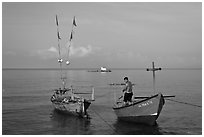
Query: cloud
[
  {"x": 52, "y": 52},
  {"x": 82, "y": 51},
  {"x": 52, "y": 49},
  {"x": 46, "y": 53}
]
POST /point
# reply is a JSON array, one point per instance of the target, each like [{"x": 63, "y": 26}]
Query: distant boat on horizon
[{"x": 102, "y": 69}]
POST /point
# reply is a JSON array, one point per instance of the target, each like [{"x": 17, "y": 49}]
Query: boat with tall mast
[{"x": 67, "y": 99}]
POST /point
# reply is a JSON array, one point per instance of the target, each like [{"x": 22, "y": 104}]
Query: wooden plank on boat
[
  {"x": 167, "y": 96},
  {"x": 118, "y": 84},
  {"x": 82, "y": 93}
]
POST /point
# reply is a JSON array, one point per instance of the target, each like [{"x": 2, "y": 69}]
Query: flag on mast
[
  {"x": 74, "y": 22},
  {"x": 58, "y": 35},
  {"x": 70, "y": 37},
  {"x": 57, "y": 21}
]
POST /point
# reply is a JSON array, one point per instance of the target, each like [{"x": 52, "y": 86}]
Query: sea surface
[{"x": 27, "y": 110}]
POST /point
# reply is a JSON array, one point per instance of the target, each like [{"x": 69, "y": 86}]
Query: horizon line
[{"x": 97, "y": 68}]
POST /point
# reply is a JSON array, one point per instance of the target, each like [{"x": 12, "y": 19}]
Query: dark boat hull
[
  {"x": 148, "y": 120},
  {"x": 73, "y": 108},
  {"x": 144, "y": 111},
  {"x": 64, "y": 100}
]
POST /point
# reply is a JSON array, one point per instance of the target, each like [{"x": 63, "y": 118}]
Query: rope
[
  {"x": 69, "y": 45},
  {"x": 105, "y": 121},
  {"x": 59, "y": 50},
  {"x": 184, "y": 103},
  {"x": 70, "y": 39}
]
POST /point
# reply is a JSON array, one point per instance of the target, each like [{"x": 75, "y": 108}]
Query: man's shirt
[{"x": 128, "y": 87}]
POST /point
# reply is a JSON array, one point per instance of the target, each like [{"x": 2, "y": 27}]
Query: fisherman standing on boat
[{"x": 127, "y": 91}]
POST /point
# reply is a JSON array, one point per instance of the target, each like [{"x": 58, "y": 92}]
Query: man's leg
[
  {"x": 130, "y": 97},
  {"x": 125, "y": 98}
]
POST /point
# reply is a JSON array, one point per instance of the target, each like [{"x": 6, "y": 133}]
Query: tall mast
[
  {"x": 153, "y": 69},
  {"x": 70, "y": 39},
  {"x": 60, "y": 61},
  {"x": 59, "y": 49}
]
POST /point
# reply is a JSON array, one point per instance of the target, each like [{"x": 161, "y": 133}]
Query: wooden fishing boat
[
  {"x": 144, "y": 111},
  {"x": 66, "y": 101}
]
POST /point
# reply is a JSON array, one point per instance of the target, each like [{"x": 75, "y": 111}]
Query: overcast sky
[{"x": 115, "y": 35}]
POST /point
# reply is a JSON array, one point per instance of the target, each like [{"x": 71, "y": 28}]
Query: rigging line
[
  {"x": 184, "y": 103},
  {"x": 71, "y": 37},
  {"x": 60, "y": 59},
  {"x": 59, "y": 50},
  {"x": 58, "y": 38},
  {"x": 70, "y": 41},
  {"x": 68, "y": 50},
  {"x": 104, "y": 121}
]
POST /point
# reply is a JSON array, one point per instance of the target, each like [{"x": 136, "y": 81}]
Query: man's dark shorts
[{"x": 128, "y": 97}]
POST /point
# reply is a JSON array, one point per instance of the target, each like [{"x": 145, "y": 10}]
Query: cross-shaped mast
[{"x": 153, "y": 69}]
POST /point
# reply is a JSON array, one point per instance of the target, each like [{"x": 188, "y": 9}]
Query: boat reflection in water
[
  {"x": 131, "y": 128},
  {"x": 64, "y": 123}
]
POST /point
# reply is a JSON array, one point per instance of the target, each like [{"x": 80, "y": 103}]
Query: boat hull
[
  {"x": 143, "y": 111},
  {"x": 74, "y": 108}
]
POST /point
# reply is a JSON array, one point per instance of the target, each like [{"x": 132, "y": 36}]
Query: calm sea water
[{"x": 26, "y": 106}]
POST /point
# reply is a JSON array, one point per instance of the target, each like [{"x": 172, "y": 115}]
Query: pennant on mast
[
  {"x": 71, "y": 36},
  {"x": 58, "y": 35},
  {"x": 74, "y": 22},
  {"x": 57, "y": 21}
]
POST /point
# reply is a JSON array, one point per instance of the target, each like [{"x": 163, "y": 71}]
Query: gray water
[{"x": 26, "y": 106}]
